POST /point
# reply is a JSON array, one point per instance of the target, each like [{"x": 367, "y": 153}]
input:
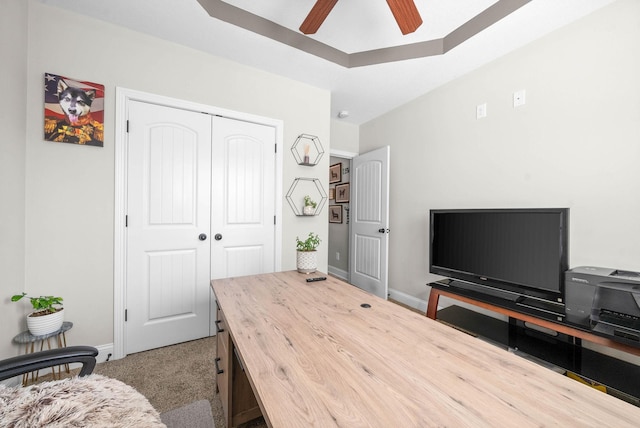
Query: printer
[{"x": 605, "y": 300}]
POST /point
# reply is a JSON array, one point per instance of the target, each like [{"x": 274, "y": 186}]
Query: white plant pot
[
  {"x": 308, "y": 210},
  {"x": 306, "y": 261},
  {"x": 45, "y": 324}
]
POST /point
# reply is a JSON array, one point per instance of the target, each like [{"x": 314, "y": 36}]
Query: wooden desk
[{"x": 314, "y": 356}]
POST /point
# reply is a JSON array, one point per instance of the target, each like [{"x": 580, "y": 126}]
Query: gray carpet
[
  {"x": 173, "y": 376},
  {"x": 169, "y": 377}
]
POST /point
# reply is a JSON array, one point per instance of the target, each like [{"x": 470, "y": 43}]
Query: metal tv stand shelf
[
  {"x": 512, "y": 309},
  {"x": 560, "y": 345}
]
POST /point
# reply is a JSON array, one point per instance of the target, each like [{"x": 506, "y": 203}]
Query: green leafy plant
[
  {"x": 42, "y": 304},
  {"x": 309, "y": 244},
  {"x": 308, "y": 202}
]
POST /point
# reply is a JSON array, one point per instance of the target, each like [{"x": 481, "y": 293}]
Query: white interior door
[
  {"x": 369, "y": 235},
  {"x": 243, "y": 206},
  {"x": 168, "y": 216}
]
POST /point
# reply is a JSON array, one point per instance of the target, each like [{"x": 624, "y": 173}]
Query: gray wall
[
  {"x": 575, "y": 143},
  {"x": 339, "y": 232},
  {"x": 65, "y": 192}
]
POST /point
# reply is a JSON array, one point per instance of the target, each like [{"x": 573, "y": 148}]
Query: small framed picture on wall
[
  {"x": 332, "y": 193},
  {"x": 335, "y": 213},
  {"x": 342, "y": 193},
  {"x": 335, "y": 173}
]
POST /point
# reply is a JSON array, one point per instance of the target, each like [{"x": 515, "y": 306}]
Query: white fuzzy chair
[{"x": 87, "y": 400}]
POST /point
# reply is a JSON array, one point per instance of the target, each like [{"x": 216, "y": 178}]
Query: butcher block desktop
[{"x": 327, "y": 354}]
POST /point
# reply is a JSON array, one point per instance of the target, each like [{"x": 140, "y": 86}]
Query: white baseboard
[
  {"x": 408, "y": 300},
  {"x": 105, "y": 352},
  {"x": 342, "y": 274}
]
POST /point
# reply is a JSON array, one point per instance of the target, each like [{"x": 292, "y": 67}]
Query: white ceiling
[{"x": 352, "y": 26}]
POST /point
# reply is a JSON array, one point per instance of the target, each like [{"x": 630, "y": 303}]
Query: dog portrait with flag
[{"x": 73, "y": 111}]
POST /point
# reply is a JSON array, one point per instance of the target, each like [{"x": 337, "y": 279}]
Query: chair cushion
[{"x": 92, "y": 400}]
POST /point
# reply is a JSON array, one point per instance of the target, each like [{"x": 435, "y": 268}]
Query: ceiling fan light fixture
[{"x": 342, "y": 114}]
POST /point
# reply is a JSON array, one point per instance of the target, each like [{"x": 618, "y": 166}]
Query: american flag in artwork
[{"x": 73, "y": 111}]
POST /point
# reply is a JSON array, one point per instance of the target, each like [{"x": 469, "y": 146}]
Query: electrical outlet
[
  {"x": 337, "y": 255},
  {"x": 519, "y": 98}
]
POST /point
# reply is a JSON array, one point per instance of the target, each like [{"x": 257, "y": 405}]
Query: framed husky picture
[{"x": 73, "y": 111}]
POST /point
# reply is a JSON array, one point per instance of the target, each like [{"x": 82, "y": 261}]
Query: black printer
[{"x": 605, "y": 300}]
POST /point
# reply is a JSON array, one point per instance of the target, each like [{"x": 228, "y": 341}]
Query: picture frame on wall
[
  {"x": 332, "y": 193},
  {"x": 335, "y": 213},
  {"x": 335, "y": 173},
  {"x": 342, "y": 193},
  {"x": 73, "y": 111}
]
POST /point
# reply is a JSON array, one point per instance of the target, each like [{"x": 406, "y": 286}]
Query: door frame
[
  {"x": 123, "y": 97},
  {"x": 344, "y": 155}
]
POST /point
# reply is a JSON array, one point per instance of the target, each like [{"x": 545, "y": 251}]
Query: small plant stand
[{"x": 30, "y": 341}]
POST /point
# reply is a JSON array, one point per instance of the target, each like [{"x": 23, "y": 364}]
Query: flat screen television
[{"x": 521, "y": 253}]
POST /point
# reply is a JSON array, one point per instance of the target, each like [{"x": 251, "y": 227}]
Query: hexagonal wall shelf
[
  {"x": 307, "y": 150},
  {"x": 302, "y": 187}
]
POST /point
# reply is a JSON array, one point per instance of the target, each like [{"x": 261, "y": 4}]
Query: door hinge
[
  {"x": 125, "y": 315},
  {"x": 127, "y": 126},
  {"x": 276, "y": 151},
  {"x": 274, "y": 220},
  {"x": 126, "y": 221}
]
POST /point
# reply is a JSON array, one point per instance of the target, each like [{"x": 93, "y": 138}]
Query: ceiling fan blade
[
  {"x": 406, "y": 15},
  {"x": 316, "y": 17}
]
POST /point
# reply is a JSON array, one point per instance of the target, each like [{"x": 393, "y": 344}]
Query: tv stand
[
  {"x": 557, "y": 344},
  {"x": 494, "y": 292},
  {"x": 540, "y": 305},
  {"x": 560, "y": 327}
]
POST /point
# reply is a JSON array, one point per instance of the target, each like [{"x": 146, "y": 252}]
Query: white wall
[
  {"x": 345, "y": 136},
  {"x": 576, "y": 144},
  {"x": 70, "y": 188},
  {"x": 13, "y": 69}
]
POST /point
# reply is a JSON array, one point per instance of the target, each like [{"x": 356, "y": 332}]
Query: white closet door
[
  {"x": 168, "y": 212},
  {"x": 243, "y": 205}
]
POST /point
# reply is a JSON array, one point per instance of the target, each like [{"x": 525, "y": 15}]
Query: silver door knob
[
  {"x": 202, "y": 237},
  {"x": 217, "y": 237}
]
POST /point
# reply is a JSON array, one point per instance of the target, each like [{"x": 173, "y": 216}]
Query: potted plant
[
  {"x": 47, "y": 315},
  {"x": 309, "y": 206},
  {"x": 306, "y": 261}
]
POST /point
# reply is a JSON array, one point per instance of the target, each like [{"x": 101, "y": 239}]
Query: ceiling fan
[{"x": 404, "y": 11}]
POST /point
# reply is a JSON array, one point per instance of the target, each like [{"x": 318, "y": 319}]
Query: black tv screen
[{"x": 519, "y": 250}]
